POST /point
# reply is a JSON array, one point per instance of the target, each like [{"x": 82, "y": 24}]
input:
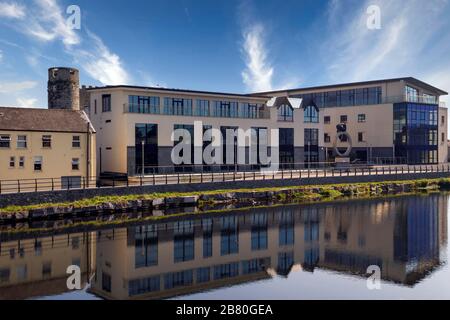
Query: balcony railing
[
  {"x": 155, "y": 110},
  {"x": 414, "y": 99}
]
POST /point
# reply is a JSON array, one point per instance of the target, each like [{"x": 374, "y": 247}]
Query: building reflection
[{"x": 404, "y": 236}]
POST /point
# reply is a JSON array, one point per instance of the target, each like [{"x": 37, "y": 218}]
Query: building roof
[
  {"x": 240, "y": 95},
  {"x": 410, "y": 80},
  {"x": 54, "y": 120}
]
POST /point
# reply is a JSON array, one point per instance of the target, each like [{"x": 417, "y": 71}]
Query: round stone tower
[{"x": 63, "y": 88}]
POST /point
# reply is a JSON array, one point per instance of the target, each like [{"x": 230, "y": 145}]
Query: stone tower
[{"x": 63, "y": 88}]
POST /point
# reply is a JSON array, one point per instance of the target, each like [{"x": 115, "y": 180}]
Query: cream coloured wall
[
  {"x": 443, "y": 130},
  {"x": 57, "y": 160}
]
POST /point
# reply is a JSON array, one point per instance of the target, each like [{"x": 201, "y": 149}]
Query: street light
[{"x": 143, "y": 159}]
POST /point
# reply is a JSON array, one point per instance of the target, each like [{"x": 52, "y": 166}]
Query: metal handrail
[{"x": 287, "y": 171}]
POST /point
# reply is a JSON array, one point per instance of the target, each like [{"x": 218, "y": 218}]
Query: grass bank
[{"x": 298, "y": 194}]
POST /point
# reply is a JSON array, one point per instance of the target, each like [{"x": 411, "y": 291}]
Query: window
[
  {"x": 144, "y": 104},
  {"x": 75, "y": 164},
  {"x": 327, "y": 138},
  {"x": 95, "y": 106},
  {"x": 344, "y": 119},
  {"x": 12, "y": 162},
  {"x": 177, "y": 107},
  {"x": 360, "y": 137},
  {"x": 46, "y": 141},
  {"x": 106, "y": 103},
  {"x": 361, "y": 118},
  {"x": 202, "y": 108},
  {"x": 285, "y": 113},
  {"x": 443, "y": 137},
  {"x": 76, "y": 143},
  {"x": 4, "y": 275},
  {"x": 311, "y": 114},
  {"x": 249, "y": 110},
  {"x": 442, "y": 120},
  {"x": 37, "y": 163},
  {"x": 22, "y": 273},
  {"x": 46, "y": 270},
  {"x": 22, "y": 142},
  {"x": 226, "y": 109},
  {"x": 411, "y": 94},
  {"x": 106, "y": 282},
  {"x": 429, "y": 99},
  {"x": 327, "y": 119},
  {"x": 22, "y": 162},
  {"x": 5, "y": 141}
]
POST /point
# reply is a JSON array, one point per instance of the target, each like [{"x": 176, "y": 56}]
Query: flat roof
[
  {"x": 240, "y": 95},
  {"x": 363, "y": 83}
]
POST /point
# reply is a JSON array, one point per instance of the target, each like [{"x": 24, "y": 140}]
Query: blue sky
[{"x": 220, "y": 45}]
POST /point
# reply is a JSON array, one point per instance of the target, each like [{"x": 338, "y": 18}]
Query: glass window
[
  {"x": 327, "y": 138},
  {"x": 361, "y": 118},
  {"x": 75, "y": 164},
  {"x": 411, "y": 94},
  {"x": 144, "y": 104},
  {"x": 177, "y": 107},
  {"x": 106, "y": 282},
  {"x": 203, "y": 275},
  {"x": 143, "y": 286},
  {"x": 38, "y": 163},
  {"x": 12, "y": 162},
  {"x": 285, "y": 113},
  {"x": 311, "y": 114},
  {"x": 327, "y": 119},
  {"x": 5, "y": 141},
  {"x": 21, "y": 162},
  {"x": 46, "y": 141},
  {"x": 76, "y": 143},
  {"x": 226, "y": 109},
  {"x": 344, "y": 119},
  {"x": 22, "y": 142},
  {"x": 360, "y": 137},
  {"x": 203, "y": 108},
  {"x": 106, "y": 103}
]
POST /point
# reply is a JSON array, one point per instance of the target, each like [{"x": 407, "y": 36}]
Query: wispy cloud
[
  {"x": 12, "y": 10},
  {"x": 15, "y": 87},
  {"x": 47, "y": 23},
  {"x": 258, "y": 73},
  {"x": 1, "y": 56}
]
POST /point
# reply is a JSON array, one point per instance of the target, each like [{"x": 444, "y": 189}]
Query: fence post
[
  {"x": 18, "y": 186},
  {"x": 36, "y": 185},
  {"x": 0, "y": 187}
]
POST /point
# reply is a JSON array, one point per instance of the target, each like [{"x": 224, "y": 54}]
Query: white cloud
[
  {"x": 12, "y": 10},
  {"x": 14, "y": 87},
  {"x": 26, "y": 102},
  {"x": 100, "y": 63},
  {"x": 258, "y": 73},
  {"x": 1, "y": 55}
]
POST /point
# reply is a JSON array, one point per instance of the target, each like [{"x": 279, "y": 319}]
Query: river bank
[{"x": 156, "y": 202}]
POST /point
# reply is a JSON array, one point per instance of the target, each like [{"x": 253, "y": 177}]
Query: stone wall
[{"x": 74, "y": 195}]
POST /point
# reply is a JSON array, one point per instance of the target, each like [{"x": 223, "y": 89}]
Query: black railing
[{"x": 216, "y": 174}]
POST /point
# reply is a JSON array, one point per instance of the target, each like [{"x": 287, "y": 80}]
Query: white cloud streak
[
  {"x": 15, "y": 87},
  {"x": 258, "y": 73},
  {"x": 26, "y": 102},
  {"x": 12, "y": 10}
]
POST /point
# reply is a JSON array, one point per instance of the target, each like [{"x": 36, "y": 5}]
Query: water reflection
[{"x": 404, "y": 236}]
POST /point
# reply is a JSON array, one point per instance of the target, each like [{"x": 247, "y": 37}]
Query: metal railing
[{"x": 220, "y": 174}]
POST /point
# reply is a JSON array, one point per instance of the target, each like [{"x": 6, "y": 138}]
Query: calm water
[{"x": 291, "y": 252}]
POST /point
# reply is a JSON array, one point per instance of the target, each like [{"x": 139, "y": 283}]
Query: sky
[{"x": 236, "y": 46}]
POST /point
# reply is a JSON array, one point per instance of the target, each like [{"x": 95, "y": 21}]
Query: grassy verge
[{"x": 301, "y": 194}]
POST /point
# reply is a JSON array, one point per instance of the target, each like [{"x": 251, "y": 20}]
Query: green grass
[{"x": 301, "y": 193}]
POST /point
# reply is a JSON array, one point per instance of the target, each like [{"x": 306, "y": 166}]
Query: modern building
[
  {"x": 394, "y": 120},
  {"x": 43, "y": 144},
  {"x": 387, "y": 121},
  {"x": 125, "y": 117}
]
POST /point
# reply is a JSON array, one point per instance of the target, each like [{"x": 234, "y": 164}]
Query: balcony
[
  {"x": 156, "y": 110},
  {"x": 414, "y": 99}
]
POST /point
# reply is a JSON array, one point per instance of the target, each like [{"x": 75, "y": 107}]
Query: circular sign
[{"x": 349, "y": 147}]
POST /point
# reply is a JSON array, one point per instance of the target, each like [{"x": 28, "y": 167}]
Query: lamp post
[{"x": 143, "y": 159}]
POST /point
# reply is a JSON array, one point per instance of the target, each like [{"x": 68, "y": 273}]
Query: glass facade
[
  {"x": 144, "y": 104},
  {"x": 189, "y": 129},
  {"x": 177, "y": 107},
  {"x": 225, "y": 109},
  {"x": 285, "y": 113},
  {"x": 311, "y": 114},
  {"x": 286, "y": 148},
  {"x": 416, "y": 132},
  {"x": 311, "y": 145},
  {"x": 344, "y": 98},
  {"x": 147, "y": 133}
]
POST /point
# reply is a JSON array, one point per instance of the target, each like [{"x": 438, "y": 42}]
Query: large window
[
  {"x": 144, "y": 104},
  {"x": 147, "y": 152},
  {"x": 286, "y": 151},
  {"x": 311, "y": 114},
  {"x": 46, "y": 141},
  {"x": 203, "y": 109},
  {"x": 37, "y": 163},
  {"x": 188, "y": 132},
  {"x": 285, "y": 113},
  {"x": 178, "y": 107},
  {"x": 229, "y": 236},
  {"x": 411, "y": 93},
  {"x": 226, "y": 109},
  {"x": 146, "y": 245},
  {"x": 259, "y": 237},
  {"x": 75, "y": 164},
  {"x": 106, "y": 103},
  {"x": 249, "y": 110},
  {"x": 184, "y": 241},
  {"x": 311, "y": 145}
]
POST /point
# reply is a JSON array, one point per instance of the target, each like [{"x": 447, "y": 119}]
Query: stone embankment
[{"x": 300, "y": 194}]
